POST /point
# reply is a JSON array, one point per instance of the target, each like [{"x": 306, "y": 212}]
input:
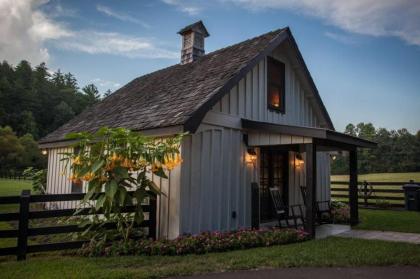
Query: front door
[{"x": 273, "y": 173}]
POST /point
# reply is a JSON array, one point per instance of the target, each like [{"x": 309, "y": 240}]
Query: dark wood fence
[
  {"x": 25, "y": 215},
  {"x": 18, "y": 175},
  {"x": 373, "y": 194}
]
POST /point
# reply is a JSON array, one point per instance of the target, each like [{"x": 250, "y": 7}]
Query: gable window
[{"x": 276, "y": 85}]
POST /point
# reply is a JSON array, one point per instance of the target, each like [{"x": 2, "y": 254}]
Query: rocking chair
[
  {"x": 323, "y": 208},
  {"x": 282, "y": 213}
]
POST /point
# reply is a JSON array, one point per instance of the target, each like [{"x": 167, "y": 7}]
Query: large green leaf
[
  {"x": 110, "y": 189},
  {"x": 97, "y": 165},
  {"x": 100, "y": 202}
]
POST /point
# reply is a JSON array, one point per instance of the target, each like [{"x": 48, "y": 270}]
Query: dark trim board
[{"x": 321, "y": 136}]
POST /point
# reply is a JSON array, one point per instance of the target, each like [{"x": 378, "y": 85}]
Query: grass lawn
[
  {"x": 328, "y": 252},
  {"x": 389, "y": 220},
  {"x": 10, "y": 187},
  {"x": 382, "y": 177}
]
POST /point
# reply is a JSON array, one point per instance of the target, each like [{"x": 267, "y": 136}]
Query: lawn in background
[
  {"x": 389, "y": 220},
  {"x": 382, "y": 177},
  {"x": 11, "y": 187},
  {"x": 340, "y": 252},
  {"x": 379, "y": 177}
]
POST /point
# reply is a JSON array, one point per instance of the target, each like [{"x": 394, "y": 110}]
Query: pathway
[
  {"x": 320, "y": 273},
  {"x": 381, "y": 235}
]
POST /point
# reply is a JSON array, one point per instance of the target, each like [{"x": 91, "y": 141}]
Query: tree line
[
  {"x": 33, "y": 103},
  {"x": 397, "y": 151}
]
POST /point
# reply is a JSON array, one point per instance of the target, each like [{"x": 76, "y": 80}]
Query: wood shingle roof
[{"x": 177, "y": 95}]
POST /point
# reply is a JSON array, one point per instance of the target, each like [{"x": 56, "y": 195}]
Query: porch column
[
  {"x": 310, "y": 150},
  {"x": 353, "y": 194}
]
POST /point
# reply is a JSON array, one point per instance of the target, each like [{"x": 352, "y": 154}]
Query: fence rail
[
  {"x": 25, "y": 215},
  {"x": 373, "y": 194}
]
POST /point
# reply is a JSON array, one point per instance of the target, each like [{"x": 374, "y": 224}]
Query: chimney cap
[{"x": 196, "y": 27}]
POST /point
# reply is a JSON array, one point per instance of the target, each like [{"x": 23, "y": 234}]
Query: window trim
[{"x": 282, "y": 87}]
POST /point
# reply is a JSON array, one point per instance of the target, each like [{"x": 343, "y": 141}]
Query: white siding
[
  {"x": 168, "y": 204},
  {"x": 215, "y": 181},
  {"x": 248, "y": 99}
]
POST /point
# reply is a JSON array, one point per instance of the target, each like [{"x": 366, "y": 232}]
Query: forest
[
  {"x": 397, "y": 151},
  {"x": 35, "y": 101}
]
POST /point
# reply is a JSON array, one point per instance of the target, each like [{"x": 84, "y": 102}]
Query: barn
[{"x": 255, "y": 121}]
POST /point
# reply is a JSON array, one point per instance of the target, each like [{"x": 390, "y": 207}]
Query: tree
[
  {"x": 10, "y": 148},
  {"x": 91, "y": 93},
  {"x": 63, "y": 113}
]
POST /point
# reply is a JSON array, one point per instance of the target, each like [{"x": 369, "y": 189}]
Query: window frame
[{"x": 281, "y": 86}]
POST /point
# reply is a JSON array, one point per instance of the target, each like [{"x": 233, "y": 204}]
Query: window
[{"x": 275, "y": 85}]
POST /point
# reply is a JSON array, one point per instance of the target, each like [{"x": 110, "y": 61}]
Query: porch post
[
  {"x": 353, "y": 195},
  {"x": 310, "y": 150}
]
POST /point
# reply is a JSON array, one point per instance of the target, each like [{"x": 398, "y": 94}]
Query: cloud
[
  {"x": 94, "y": 42},
  {"x": 106, "y": 83},
  {"x": 27, "y": 32},
  {"x": 344, "y": 39},
  {"x": 394, "y": 18},
  {"x": 120, "y": 16},
  {"x": 184, "y": 6},
  {"x": 24, "y": 30}
]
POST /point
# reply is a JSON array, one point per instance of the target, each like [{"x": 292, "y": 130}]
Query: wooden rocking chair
[
  {"x": 282, "y": 213},
  {"x": 323, "y": 208}
]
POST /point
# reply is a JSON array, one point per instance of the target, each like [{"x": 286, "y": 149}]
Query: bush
[
  {"x": 196, "y": 244},
  {"x": 340, "y": 212}
]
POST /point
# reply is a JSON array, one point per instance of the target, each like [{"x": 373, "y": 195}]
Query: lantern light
[
  {"x": 299, "y": 162},
  {"x": 251, "y": 156},
  {"x": 44, "y": 152}
]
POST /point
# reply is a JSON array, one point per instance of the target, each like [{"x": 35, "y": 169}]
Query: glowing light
[
  {"x": 44, "y": 152},
  {"x": 251, "y": 156}
]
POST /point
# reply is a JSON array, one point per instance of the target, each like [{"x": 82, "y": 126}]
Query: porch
[{"x": 268, "y": 138}]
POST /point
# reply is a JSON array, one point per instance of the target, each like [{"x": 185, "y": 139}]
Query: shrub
[
  {"x": 340, "y": 212},
  {"x": 196, "y": 244}
]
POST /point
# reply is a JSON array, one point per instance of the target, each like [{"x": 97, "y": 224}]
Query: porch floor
[{"x": 326, "y": 230}]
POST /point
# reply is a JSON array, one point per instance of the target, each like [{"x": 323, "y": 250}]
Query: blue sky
[{"x": 364, "y": 55}]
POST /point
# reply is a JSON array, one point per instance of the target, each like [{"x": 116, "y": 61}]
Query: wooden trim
[
  {"x": 311, "y": 180},
  {"x": 353, "y": 193},
  {"x": 324, "y": 137}
]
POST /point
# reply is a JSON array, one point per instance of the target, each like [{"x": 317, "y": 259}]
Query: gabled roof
[
  {"x": 180, "y": 94},
  {"x": 197, "y": 26}
]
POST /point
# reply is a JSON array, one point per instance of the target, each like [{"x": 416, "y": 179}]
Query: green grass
[
  {"x": 328, "y": 252},
  {"x": 10, "y": 187},
  {"x": 382, "y": 177},
  {"x": 389, "y": 220}
]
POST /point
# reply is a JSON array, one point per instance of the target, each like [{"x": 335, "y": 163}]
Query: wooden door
[{"x": 273, "y": 173}]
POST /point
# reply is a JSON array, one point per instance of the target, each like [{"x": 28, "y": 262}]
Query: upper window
[{"x": 276, "y": 85}]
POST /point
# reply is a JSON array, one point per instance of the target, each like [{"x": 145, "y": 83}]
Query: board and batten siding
[
  {"x": 215, "y": 180},
  {"x": 248, "y": 99},
  {"x": 58, "y": 182}
]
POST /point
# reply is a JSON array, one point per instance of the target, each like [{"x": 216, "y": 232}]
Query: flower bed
[
  {"x": 197, "y": 244},
  {"x": 340, "y": 212}
]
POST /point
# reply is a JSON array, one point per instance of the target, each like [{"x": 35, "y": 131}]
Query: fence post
[
  {"x": 23, "y": 225},
  {"x": 255, "y": 206},
  {"x": 152, "y": 217},
  {"x": 365, "y": 193}
]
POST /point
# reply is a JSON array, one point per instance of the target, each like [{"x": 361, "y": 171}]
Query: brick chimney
[{"x": 193, "y": 41}]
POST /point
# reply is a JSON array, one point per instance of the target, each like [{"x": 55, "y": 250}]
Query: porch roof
[{"x": 322, "y": 136}]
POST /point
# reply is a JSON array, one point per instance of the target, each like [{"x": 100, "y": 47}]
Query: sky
[{"x": 364, "y": 55}]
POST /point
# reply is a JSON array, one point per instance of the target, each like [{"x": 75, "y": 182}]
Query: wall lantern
[
  {"x": 251, "y": 156},
  {"x": 44, "y": 152},
  {"x": 299, "y": 161}
]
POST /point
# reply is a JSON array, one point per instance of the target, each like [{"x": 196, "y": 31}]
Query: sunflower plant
[{"x": 116, "y": 164}]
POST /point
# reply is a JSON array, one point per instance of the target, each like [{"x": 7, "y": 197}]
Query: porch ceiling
[{"x": 330, "y": 139}]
